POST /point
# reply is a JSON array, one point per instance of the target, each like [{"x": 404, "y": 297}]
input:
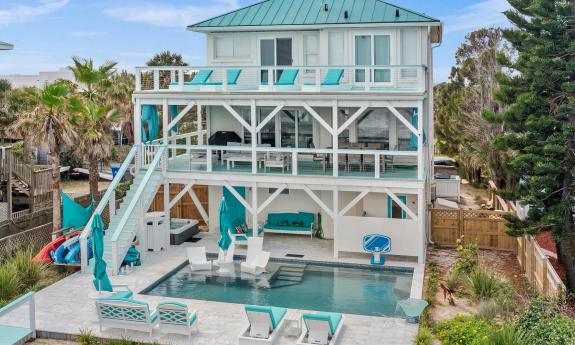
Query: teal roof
[{"x": 312, "y": 12}]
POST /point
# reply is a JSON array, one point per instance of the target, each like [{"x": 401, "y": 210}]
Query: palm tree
[
  {"x": 93, "y": 124},
  {"x": 47, "y": 122},
  {"x": 94, "y": 79},
  {"x": 119, "y": 96}
]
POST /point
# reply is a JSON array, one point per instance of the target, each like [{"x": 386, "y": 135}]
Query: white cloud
[
  {"x": 24, "y": 13},
  {"x": 484, "y": 14},
  {"x": 171, "y": 16},
  {"x": 87, "y": 33}
]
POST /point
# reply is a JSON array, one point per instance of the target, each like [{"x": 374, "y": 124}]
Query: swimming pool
[{"x": 351, "y": 289}]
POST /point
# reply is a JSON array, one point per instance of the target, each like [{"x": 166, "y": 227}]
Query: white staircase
[{"x": 131, "y": 227}]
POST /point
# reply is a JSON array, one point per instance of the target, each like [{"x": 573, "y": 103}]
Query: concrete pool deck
[{"x": 66, "y": 307}]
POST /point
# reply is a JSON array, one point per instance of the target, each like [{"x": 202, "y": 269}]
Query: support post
[
  {"x": 335, "y": 139},
  {"x": 199, "y": 124},
  {"x": 335, "y": 222},
  {"x": 138, "y": 131},
  {"x": 255, "y": 229},
  {"x": 420, "y": 156},
  {"x": 422, "y": 225},
  {"x": 254, "y": 136}
]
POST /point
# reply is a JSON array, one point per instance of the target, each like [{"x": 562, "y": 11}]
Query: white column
[
  {"x": 138, "y": 130},
  {"x": 199, "y": 124},
  {"x": 335, "y": 139},
  {"x": 335, "y": 222},
  {"x": 165, "y": 122},
  {"x": 420, "y": 158},
  {"x": 421, "y": 219},
  {"x": 254, "y": 209},
  {"x": 253, "y": 125}
]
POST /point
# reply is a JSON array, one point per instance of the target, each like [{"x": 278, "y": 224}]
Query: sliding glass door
[
  {"x": 275, "y": 52},
  {"x": 373, "y": 50}
]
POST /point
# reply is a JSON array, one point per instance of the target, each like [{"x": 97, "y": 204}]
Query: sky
[{"x": 47, "y": 33}]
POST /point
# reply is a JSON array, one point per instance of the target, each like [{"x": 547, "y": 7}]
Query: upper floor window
[
  {"x": 231, "y": 46},
  {"x": 311, "y": 49},
  {"x": 409, "y": 52},
  {"x": 373, "y": 50}
]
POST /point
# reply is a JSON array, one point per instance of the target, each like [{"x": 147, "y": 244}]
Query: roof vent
[
  {"x": 397, "y": 13},
  {"x": 326, "y": 7},
  {"x": 346, "y": 14}
]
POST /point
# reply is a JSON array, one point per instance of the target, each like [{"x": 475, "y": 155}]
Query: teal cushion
[
  {"x": 122, "y": 294},
  {"x": 287, "y": 77},
  {"x": 332, "y": 77},
  {"x": 276, "y": 313},
  {"x": 307, "y": 218},
  {"x": 333, "y": 319},
  {"x": 173, "y": 303},
  {"x": 201, "y": 77},
  {"x": 192, "y": 319},
  {"x": 153, "y": 317},
  {"x": 286, "y": 228}
]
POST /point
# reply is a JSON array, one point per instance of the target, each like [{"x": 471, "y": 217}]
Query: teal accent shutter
[
  {"x": 413, "y": 139},
  {"x": 390, "y": 201}
]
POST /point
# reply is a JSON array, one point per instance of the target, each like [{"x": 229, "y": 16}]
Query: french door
[
  {"x": 373, "y": 50},
  {"x": 275, "y": 52}
]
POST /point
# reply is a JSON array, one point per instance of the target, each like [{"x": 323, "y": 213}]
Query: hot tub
[{"x": 182, "y": 230}]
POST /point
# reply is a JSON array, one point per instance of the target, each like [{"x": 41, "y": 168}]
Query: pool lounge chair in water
[
  {"x": 265, "y": 325},
  {"x": 321, "y": 328},
  {"x": 174, "y": 318},
  {"x": 256, "y": 258},
  {"x": 197, "y": 259}
]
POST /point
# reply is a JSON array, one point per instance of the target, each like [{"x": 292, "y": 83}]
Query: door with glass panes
[
  {"x": 274, "y": 52},
  {"x": 373, "y": 50}
]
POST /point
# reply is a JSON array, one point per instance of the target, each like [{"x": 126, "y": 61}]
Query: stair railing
[
  {"x": 108, "y": 198},
  {"x": 159, "y": 155}
]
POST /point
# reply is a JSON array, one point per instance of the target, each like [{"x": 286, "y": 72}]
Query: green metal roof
[
  {"x": 312, "y": 12},
  {"x": 6, "y": 46}
]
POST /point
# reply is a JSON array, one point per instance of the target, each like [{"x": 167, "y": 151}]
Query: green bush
[
  {"x": 8, "y": 284},
  {"x": 123, "y": 188},
  {"x": 543, "y": 323},
  {"x": 506, "y": 335},
  {"x": 463, "y": 330},
  {"x": 432, "y": 281},
  {"x": 453, "y": 280},
  {"x": 483, "y": 285},
  {"x": 467, "y": 257},
  {"x": 424, "y": 336},
  {"x": 28, "y": 271}
]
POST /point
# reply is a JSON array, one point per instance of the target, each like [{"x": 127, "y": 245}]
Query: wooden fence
[
  {"x": 185, "y": 207},
  {"x": 35, "y": 237},
  {"x": 537, "y": 267},
  {"x": 487, "y": 228}
]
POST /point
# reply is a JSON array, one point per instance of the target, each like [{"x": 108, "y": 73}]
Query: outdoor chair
[
  {"x": 174, "y": 318},
  {"x": 197, "y": 259},
  {"x": 265, "y": 324},
  {"x": 256, "y": 258},
  {"x": 126, "y": 314},
  {"x": 321, "y": 328}
]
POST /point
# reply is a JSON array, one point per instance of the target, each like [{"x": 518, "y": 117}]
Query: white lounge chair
[
  {"x": 265, "y": 325},
  {"x": 321, "y": 328},
  {"x": 124, "y": 313},
  {"x": 225, "y": 260},
  {"x": 256, "y": 259},
  {"x": 197, "y": 259},
  {"x": 174, "y": 318}
]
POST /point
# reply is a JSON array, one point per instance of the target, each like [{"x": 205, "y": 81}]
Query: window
[
  {"x": 373, "y": 50},
  {"x": 373, "y": 127},
  {"x": 237, "y": 46},
  {"x": 311, "y": 50},
  {"x": 393, "y": 208},
  {"x": 409, "y": 53},
  {"x": 336, "y": 48}
]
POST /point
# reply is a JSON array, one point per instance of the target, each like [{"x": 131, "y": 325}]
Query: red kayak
[{"x": 44, "y": 254}]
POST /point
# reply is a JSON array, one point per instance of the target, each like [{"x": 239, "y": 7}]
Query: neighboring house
[
  {"x": 39, "y": 80},
  {"x": 6, "y": 46},
  {"x": 310, "y": 106}
]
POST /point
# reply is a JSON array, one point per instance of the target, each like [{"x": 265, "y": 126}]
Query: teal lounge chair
[
  {"x": 332, "y": 78},
  {"x": 233, "y": 76},
  {"x": 124, "y": 313},
  {"x": 201, "y": 78},
  {"x": 265, "y": 324},
  {"x": 174, "y": 318},
  {"x": 287, "y": 78},
  {"x": 321, "y": 328}
]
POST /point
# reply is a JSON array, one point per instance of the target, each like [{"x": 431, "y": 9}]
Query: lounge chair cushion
[
  {"x": 233, "y": 75},
  {"x": 173, "y": 303},
  {"x": 192, "y": 319},
  {"x": 287, "y": 77},
  {"x": 332, "y": 77},
  {"x": 276, "y": 313},
  {"x": 332, "y": 318},
  {"x": 301, "y": 221},
  {"x": 201, "y": 77},
  {"x": 122, "y": 294}
]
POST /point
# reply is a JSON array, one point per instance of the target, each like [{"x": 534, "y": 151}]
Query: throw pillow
[
  {"x": 283, "y": 223},
  {"x": 244, "y": 228},
  {"x": 239, "y": 230},
  {"x": 297, "y": 223}
]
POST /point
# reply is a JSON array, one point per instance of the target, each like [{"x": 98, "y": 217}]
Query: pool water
[{"x": 351, "y": 290}]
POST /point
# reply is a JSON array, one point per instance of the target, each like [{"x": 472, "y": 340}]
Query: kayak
[
  {"x": 62, "y": 251},
  {"x": 47, "y": 253},
  {"x": 73, "y": 255}
]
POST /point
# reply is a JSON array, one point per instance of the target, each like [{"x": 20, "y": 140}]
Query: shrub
[
  {"x": 463, "y": 330},
  {"x": 483, "y": 285},
  {"x": 8, "y": 284},
  {"x": 506, "y": 335},
  {"x": 87, "y": 338},
  {"x": 432, "y": 281},
  {"x": 453, "y": 280},
  {"x": 488, "y": 310},
  {"x": 543, "y": 323},
  {"x": 467, "y": 257},
  {"x": 28, "y": 271},
  {"x": 424, "y": 336}
]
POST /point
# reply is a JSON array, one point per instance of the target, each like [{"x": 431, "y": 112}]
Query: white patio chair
[
  {"x": 174, "y": 318},
  {"x": 256, "y": 258},
  {"x": 197, "y": 259}
]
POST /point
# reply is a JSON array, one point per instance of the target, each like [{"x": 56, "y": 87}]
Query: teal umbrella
[
  {"x": 101, "y": 280},
  {"x": 225, "y": 239}
]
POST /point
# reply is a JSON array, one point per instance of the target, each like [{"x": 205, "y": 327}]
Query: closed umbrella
[
  {"x": 101, "y": 280},
  {"x": 225, "y": 240}
]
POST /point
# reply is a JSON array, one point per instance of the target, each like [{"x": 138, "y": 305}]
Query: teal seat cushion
[
  {"x": 287, "y": 77},
  {"x": 285, "y": 228},
  {"x": 307, "y": 218},
  {"x": 201, "y": 77},
  {"x": 332, "y": 318},
  {"x": 182, "y": 305},
  {"x": 192, "y": 319},
  {"x": 332, "y": 77},
  {"x": 122, "y": 294},
  {"x": 276, "y": 313},
  {"x": 233, "y": 75}
]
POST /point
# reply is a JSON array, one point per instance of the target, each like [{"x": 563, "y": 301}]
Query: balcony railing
[
  {"x": 360, "y": 163},
  {"x": 374, "y": 78}
]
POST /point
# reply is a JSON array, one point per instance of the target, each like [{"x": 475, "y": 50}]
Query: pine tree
[{"x": 540, "y": 119}]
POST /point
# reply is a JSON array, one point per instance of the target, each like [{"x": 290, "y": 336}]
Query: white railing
[
  {"x": 290, "y": 161},
  {"x": 374, "y": 78},
  {"x": 159, "y": 155},
  {"x": 109, "y": 198},
  {"x": 26, "y": 298}
]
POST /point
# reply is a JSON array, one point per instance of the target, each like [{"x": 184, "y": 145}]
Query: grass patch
[{"x": 483, "y": 285}]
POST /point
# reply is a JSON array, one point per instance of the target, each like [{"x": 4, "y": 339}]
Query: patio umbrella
[
  {"x": 101, "y": 280},
  {"x": 225, "y": 240}
]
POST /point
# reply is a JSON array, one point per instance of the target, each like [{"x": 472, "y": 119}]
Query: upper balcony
[{"x": 377, "y": 79}]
